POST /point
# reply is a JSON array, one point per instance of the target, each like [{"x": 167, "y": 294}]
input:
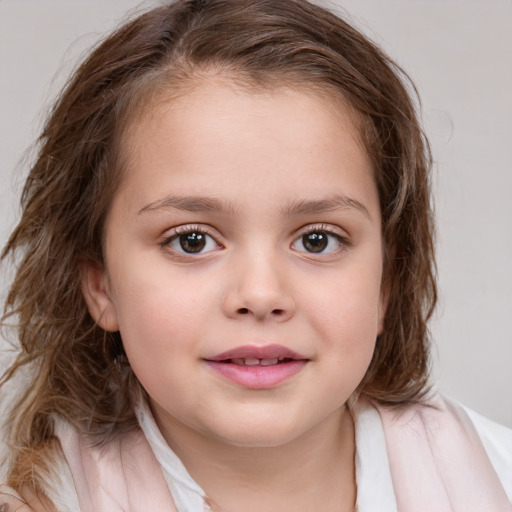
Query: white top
[{"x": 374, "y": 486}]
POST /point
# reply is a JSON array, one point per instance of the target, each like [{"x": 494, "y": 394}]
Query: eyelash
[
  {"x": 177, "y": 232},
  {"x": 343, "y": 241}
]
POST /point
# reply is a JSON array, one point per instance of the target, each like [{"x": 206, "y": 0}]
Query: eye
[
  {"x": 319, "y": 242},
  {"x": 191, "y": 241}
]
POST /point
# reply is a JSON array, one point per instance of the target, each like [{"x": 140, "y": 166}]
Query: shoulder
[
  {"x": 454, "y": 436},
  {"x": 50, "y": 488},
  {"x": 53, "y": 489},
  {"x": 441, "y": 452},
  {"x": 11, "y": 501},
  {"x": 37, "y": 502},
  {"x": 497, "y": 441}
]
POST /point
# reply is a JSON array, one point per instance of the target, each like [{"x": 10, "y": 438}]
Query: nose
[{"x": 259, "y": 289}]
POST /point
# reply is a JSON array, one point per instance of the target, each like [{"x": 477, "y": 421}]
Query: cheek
[
  {"x": 161, "y": 337},
  {"x": 348, "y": 304},
  {"x": 345, "y": 312},
  {"x": 160, "y": 313}
]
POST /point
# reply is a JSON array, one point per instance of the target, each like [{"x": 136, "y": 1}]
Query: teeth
[
  {"x": 254, "y": 361},
  {"x": 268, "y": 362},
  {"x": 251, "y": 361}
]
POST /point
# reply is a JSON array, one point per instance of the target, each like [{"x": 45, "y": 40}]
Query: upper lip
[{"x": 257, "y": 352}]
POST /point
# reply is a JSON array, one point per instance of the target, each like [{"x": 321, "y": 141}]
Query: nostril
[{"x": 274, "y": 312}]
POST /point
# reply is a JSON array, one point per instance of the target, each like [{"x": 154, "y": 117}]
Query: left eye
[
  {"x": 318, "y": 242},
  {"x": 192, "y": 242}
]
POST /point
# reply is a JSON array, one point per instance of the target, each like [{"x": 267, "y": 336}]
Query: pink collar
[{"x": 437, "y": 462}]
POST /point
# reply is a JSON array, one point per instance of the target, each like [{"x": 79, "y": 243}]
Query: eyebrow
[
  {"x": 195, "y": 204},
  {"x": 201, "y": 204},
  {"x": 336, "y": 202}
]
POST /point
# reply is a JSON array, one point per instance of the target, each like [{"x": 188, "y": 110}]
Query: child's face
[{"x": 247, "y": 228}]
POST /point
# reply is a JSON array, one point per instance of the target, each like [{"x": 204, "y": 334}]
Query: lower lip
[{"x": 258, "y": 377}]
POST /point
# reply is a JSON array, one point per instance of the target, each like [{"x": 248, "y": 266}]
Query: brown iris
[
  {"x": 315, "y": 242},
  {"x": 193, "y": 242}
]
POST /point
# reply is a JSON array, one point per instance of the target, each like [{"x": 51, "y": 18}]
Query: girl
[{"x": 226, "y": 270}]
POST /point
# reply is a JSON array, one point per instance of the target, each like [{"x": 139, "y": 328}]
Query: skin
[{"x": 269, "y": 158}]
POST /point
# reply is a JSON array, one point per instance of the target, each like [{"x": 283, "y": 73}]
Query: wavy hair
[{"x": 80, "y": 372}]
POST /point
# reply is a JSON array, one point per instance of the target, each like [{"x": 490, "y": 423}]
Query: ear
[{"x": 96, "y": 290}]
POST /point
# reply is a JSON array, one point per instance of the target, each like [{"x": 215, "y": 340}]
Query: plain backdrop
[{"x": 458, "y": 52}]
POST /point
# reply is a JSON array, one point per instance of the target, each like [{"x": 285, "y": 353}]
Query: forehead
[
  {"x": 219, "y": 134},
  {"x": 168, "y": 94}
]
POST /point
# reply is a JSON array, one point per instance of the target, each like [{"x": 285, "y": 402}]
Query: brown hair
[{"x": 82, "y": 373}]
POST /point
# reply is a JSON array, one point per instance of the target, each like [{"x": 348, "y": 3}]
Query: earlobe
[{"x": 97, "y": 294}]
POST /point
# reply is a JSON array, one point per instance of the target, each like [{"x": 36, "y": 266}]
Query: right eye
[
  {"x": 193, "y": 241},
  {"x": 319, "y": 241}
]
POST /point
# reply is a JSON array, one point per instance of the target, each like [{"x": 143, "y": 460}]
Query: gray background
[{"x": 459, "y": 54}]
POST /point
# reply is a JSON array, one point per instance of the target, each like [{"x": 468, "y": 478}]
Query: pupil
[
  {"x": 192, "y": 242},
  {"x": 315, "y": 242}
]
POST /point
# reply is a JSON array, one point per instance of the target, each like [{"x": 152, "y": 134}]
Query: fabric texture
[
  {"x": 10, "y": 501},
  {"x": 413, "y": 459},
  {"x": 123, "y": 476},
  {"x": 438, "y": 461}
]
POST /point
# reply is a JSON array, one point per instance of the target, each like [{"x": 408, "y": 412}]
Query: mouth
[
  {"x": 254, "y": 361},
  {"x": 253, "y": 355},
  {"x": 256, "y": 367}
]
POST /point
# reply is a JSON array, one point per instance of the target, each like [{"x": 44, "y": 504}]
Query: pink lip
[
  {"x": 263, "y": 352},
  {"x": 258, "y": 376}
]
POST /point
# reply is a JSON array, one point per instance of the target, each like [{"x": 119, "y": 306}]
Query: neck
[{"x": 311, "y": 471}]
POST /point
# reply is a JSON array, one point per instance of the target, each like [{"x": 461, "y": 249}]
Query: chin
[
  {"x": 259, "y": 441},
  {"x": 261, "y": 434}
]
